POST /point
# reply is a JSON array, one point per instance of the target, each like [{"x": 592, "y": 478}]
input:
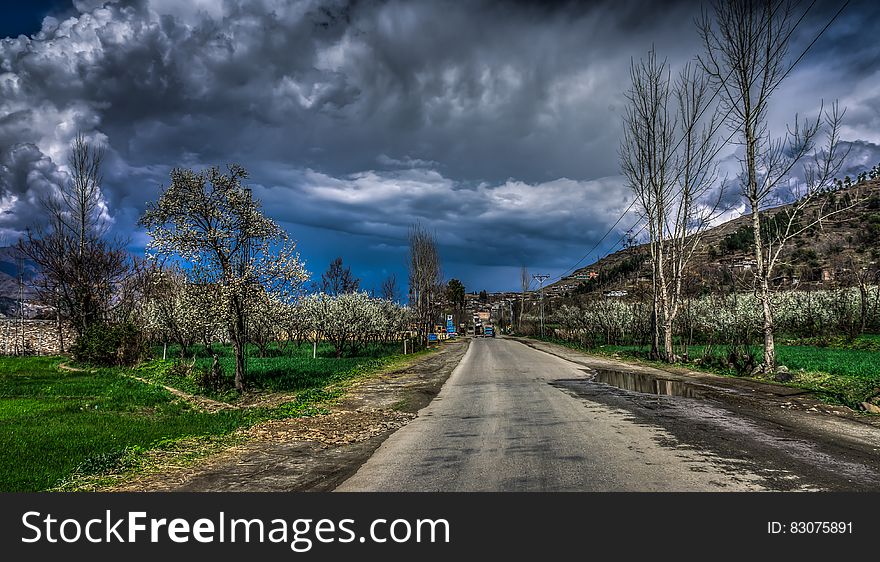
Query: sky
[{"x": 496, "y": 125}]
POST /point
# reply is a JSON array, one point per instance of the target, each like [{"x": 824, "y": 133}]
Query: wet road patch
[{"x": 648, "y": 384}]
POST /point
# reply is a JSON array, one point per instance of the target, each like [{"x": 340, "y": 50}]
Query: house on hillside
[{"x": 744, "y": 265}]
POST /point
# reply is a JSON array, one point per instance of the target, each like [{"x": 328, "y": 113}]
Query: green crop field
[{"x": 56, "y": 423}]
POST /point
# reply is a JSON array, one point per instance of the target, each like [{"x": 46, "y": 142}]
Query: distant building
[{"x": 615, "y": 294}]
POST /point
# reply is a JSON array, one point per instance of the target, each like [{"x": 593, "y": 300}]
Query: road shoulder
[
  {"x": 785, "y": 415},
  {"x": 785, "y": 397},
  {"x": 316, "y": 453}
]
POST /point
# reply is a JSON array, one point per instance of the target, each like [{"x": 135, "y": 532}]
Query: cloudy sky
[{"x": 496, "y": 124}]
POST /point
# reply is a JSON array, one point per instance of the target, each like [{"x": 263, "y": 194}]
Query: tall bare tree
[
  {"x": 670, "y": 178},
  {"x": 338, "y": 279},
  {"x": 389, "y": 290},
  {"x": 425, "y": 277},
  {"x": 746, "y": 45},
  {"x": 79, "y": 269},
  {"x": 646, "y": 160},
  {"x": 82, "y": 200}
]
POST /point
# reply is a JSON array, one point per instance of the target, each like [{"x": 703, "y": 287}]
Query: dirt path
[
  {"x": 66, "y": 367},
  {"x": 199, "y": 402},
  {"x": 317, "y": 453}
]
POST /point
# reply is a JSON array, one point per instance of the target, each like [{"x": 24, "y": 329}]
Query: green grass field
[
  {"x": 289, "y": 369},
  {"x": 846, "y": 375},
  {"x": 55, "y": 424}
]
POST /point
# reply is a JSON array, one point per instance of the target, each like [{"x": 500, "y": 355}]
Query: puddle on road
[{"x": 648, "y": 384}]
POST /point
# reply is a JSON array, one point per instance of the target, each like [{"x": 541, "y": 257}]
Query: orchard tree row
[{"x": 216, "y": 270}]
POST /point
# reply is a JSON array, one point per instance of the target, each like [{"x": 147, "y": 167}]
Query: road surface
[{"x": 514, "y": 418}]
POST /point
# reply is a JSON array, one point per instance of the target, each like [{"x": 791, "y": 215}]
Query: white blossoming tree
[
  {"x": 209, "y": 221},
  {"x": 349, "y": 321}
]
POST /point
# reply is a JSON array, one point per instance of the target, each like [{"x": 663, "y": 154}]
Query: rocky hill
[{"x": 825, "y": 254}]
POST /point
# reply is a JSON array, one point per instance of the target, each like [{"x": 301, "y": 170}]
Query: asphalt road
[{"x": 513, "y": 418}]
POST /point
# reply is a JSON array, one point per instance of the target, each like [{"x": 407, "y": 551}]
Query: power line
[
  {"x": 720, "y": 122},
  {"x": 541, "y": 277},
  {"x": 784, "y": 75},
  {"x": 689, "y": 131}
]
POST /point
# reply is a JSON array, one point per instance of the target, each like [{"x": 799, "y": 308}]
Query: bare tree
[
  {"x": 79, "y": 270},
  {"x": 425, "y": 277},
  {"x": 338, "y": 279},
  {"x": 671, "y": 180},
  {"x": 745, "y": 47},
  {"x": 646, "y": 159},
  {"x": 389, "y": 290},
  {"x": 82, "y": 199},
  {"x": 694, "y": 206},
  {"x": 864, "y": 277}
]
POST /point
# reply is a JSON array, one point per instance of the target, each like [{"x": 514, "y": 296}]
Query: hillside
[
  {"x": 9, "y": 286},
  {"x": 825, "y": 254}
]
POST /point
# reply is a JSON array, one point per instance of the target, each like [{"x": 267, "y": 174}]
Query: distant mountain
[
  {"x": 828, "y": 252},
  {"x": 9, "y": 284}
]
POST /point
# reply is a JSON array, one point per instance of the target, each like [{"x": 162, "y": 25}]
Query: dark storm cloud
[
  {"x": 489, "y": 224},
  {"x": 27, "y": 177},
  {"x": 496, "y": 123}
]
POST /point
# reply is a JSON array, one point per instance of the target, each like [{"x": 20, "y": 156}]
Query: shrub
[
  {"x": 110, "y": 345},
  {"x": 212, "y": 379},
  {"x": 741, "y": 358}
]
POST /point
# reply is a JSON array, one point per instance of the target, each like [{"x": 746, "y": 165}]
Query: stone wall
[{"x": 32, "y": 337}]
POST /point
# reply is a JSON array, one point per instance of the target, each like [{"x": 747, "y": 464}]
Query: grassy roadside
[
  {"x": 68, "y": 430},
  {"x": 844, "y": 376}
]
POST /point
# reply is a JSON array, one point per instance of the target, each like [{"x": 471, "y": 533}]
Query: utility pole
[
  {"x": 245, "y": 262},
  {"x": 541, "y": 277},
  {"x": 20, "y": 264}
]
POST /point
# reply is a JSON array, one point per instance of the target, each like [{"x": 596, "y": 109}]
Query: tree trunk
[
  {"x": 522, "y": 307},
  {"x": 655, "y": 332},
  {"x": 239, "y": 363},
  {"x": 60, "y": 333},
  {"x": 769, "y": 346},
  {"x": 664, "y": 318},
  {"x": 762, "y": 269},
  {"x": 863, "y": 307},
  {"x": 238, "y": 342},
  {"x": 668, "y": 349}
]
